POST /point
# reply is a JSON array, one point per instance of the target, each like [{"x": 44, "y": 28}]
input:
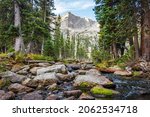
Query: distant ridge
[{"x": 75, "y": 24}]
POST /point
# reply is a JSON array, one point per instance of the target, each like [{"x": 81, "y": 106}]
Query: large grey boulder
[
  {"x": 54, "y": 68},
  {"x": 13, "y": 77},
  {"x": 24, "y": 70},
  {"x": 34, "y": 70},
  {"x": 30, "y": 83},
  {"x": 66, "y": 77},
  {"x": 18, "y": 88},
  {"x": 93, "y": 72},
  {"x": 6, "y": 95},
  {"x": 123, "y": 73},
  {"x": 46, "y": 79},
  {"x": 75, "y": 93},
  {"x": 90, "y": 80}
]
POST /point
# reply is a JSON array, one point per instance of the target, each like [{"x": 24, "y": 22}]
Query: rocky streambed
[{"x": 38, "y": 80}]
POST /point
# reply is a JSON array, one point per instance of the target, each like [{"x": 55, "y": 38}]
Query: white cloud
[{"x": 72, "y": 5}]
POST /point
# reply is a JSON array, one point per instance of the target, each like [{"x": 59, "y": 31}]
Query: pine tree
[{"x": 121, "y": 21}]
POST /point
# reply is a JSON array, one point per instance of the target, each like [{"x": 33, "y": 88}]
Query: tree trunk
[
  {"x": 115, "y": 53},
  {"x": 131, "y": 42},
  {"x": 136, "y": 46},
  {"x": 145, "y": 31},
  {"x": 19, "y": 44},
  {"x": 44, "y": 19}
]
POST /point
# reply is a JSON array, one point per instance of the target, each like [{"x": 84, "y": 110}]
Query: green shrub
[
  {"x": 128, "y": 56},
  {"x": 101, "y": 55},
  {"x": 39, "y": 57},
  {"x": 20, "y": 57},
  {"x": 3, "y": 55},
  {"x": 102, "y": 65}
]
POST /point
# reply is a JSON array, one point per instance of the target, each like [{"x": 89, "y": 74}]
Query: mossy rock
[
  {"x": 99, "y": 91},
  {"x": 137, "y": 73},
  {"x": 4, "y": 83},
  {"x": 3, "y": 65},
  {"x": 102, "y": 65},
  {"x": 85, "y": 86}
]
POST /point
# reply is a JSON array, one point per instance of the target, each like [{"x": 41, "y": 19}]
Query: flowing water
[{"x": 131, "y": 88}]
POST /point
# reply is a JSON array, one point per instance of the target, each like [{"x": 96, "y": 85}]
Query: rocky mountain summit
[
  {"x": 80, "y": 30},
  {"x": 77, "y": 25}
]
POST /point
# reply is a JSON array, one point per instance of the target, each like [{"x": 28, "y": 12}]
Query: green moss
[
  {"x": 4, "y": 83},
  {"x": 136, "y": 73},
  {"x": 101, "y": 91},
  {"x": 102, "y": 65},
  {"x": 3, "y": 55},
  {"x": 84, "y": 84},
  {"x": 3, "y": 65}
]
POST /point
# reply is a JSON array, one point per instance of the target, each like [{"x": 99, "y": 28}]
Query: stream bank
[{"x": 39, "y": 80}]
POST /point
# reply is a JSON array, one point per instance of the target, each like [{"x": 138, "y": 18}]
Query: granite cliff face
[
  {"x": 84, "y": 30},
  {"x": 77, "y": 25}
]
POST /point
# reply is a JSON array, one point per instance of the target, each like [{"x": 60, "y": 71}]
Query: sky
[{"x": 82, "y": 8}]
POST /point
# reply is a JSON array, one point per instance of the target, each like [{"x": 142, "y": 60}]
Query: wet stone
[
  {"x": 32, "y": 96},
  {"x": 75, "y": 93}
]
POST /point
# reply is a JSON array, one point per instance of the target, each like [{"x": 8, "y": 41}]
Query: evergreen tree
[{"x": 121, "y": 21}]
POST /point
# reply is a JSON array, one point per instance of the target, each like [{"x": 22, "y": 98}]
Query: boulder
[
  {"x": 18, "y": 88},
  {"x": 32, "y": 96},
  {"x": 101, "y": 92},
  {"x": 16, "y": 67},
  {"x": 93, "y": 72},
  {"x": 52, "y": 97},
  {"x": 7, "y": 74},
  {"x": 6, "y": 96},
  {"x": 54, "y": 68},
  {"x": 123, "y": 73},
  {"x": 88, "y": 81},
  {"x": 66, "y": 77},
  {"x": 86, "y": 96},
  {"x": 46, "y": 79},
  {"x": 43, "y": 64},
  {"x": 24, "y": 70},
  {"x": 89, "y": 66},
  {"x": 34, "y": 70},
  {"x": 75, "y": 93},
  {"x": 17, "y": 79},
  {"x": 110, "y": 69},
  {"x": 30, "y": 83},
  {"x": 4, "y": 83},
  {"x": 13, "y": 77},
  {"x": 53, "y": 87}
]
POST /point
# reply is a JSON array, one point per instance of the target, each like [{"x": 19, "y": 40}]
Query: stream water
[{"x": 131, "y": 88}]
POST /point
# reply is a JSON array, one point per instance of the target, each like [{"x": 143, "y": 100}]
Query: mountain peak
[
  {"x": 69, "y": 20},
  {"x": 68, "y": 15}
]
